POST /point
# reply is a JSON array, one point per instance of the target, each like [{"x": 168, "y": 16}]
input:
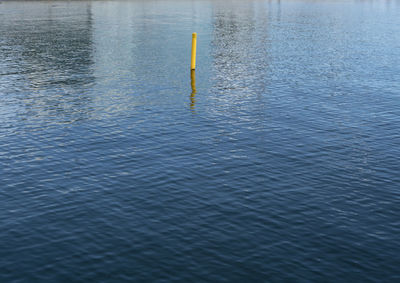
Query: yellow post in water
[{"x": 194, "y": 43}]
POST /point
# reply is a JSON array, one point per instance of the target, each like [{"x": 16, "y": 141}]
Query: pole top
[{"x": 194, "y": 35}]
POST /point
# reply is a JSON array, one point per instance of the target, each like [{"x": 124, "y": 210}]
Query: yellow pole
[{"x": 194, "y": 42}]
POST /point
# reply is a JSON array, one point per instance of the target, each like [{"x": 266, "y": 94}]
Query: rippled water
[{"x": 282, "y": 163}]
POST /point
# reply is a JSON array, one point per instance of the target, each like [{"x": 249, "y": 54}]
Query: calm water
[{"x": 281, "y": 165}]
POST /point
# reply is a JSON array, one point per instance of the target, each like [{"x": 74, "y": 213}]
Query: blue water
[{"x": 279, "y": 161}]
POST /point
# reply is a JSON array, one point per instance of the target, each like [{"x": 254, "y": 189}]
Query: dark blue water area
[{"x": 277, "y": 160}]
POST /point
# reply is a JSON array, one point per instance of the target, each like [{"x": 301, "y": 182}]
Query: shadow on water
[{"x": 50, "y": 46}]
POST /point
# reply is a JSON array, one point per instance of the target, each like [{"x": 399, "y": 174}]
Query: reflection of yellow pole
[
  {"x": 194, "y": 42},
  {"x": 193, "y": 85},
  {"x": 193, "y": 80}
]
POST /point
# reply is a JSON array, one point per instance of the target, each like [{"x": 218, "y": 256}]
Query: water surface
[{"x": 281, "y": 165}]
